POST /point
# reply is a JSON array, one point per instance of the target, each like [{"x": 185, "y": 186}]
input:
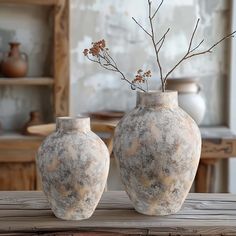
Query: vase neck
[
  {"x": 157, "y": 99},
  {"x": 14, "y": 49},
  {"x": 67, "y": 124}
]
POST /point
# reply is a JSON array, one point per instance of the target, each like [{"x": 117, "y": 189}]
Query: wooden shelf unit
[
  {"x": 17, "y": 152},
  {"x": 27, "y": 81}
]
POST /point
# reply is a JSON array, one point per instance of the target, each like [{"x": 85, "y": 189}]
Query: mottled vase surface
[
  {"x": 73, "y": 163},
  {"x": 157, "y": 147}
]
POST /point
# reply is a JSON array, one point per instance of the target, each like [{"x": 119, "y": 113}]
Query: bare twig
[
  {"x": 190, "y": 54},
  {"x": 141, "y": 27},
  {"x": 163, "y": 37},
  {"x": 194, "y": 49},
  {"x": 193, "y": 34},
  {"x": 158, "y": 8}
]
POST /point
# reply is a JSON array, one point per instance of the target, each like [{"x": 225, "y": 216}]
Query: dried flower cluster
[
  {"x": 100, "y": 53},
  {"x": 142, "y": 77}
]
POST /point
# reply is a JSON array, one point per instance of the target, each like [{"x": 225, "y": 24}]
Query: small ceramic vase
[
  {"x": 74, "y": 164},
  {"x": 189, "y": 97},
  {"x": 15, "y": 64},
  {"x": 35, "y": 119},
  {"x": 157, "y": 147}
]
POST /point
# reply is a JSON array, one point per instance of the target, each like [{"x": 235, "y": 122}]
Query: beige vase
[
  {"x": 189, "y": 96},
  {"x": 157, "y": 147},
  {"x": 74, "y": 164}
]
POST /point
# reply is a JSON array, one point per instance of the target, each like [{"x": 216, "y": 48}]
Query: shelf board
[
  {"x": 46, "y": 81},
  {"x": 32, "y": 2},
  {"x": 7, "y": 136}
]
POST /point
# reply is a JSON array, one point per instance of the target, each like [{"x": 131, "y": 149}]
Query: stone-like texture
[
  {"x": 74, "y": 164},
  {"x": 157, "y": 147}
]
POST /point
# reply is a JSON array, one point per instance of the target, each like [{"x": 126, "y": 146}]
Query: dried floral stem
[{"x": 113, "y": 68}]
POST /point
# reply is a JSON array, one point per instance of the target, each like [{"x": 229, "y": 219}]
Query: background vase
[
  {"x": 35, "y": 119},
  {"x": 74, "y": 164},
  {"x": 189, "y": 97},
  {"x": 15, "y": 64},
  {"x": 157, "y": 147}
]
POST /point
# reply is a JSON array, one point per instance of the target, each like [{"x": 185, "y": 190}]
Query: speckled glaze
[
  {"x": 73, "y": 163},
  {"x": 157, "y": 147}
]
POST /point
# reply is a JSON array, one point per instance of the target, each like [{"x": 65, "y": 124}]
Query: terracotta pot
[
  {"x": 15, "y": 64},
  {"x": 74, "y": 163},
  {"x": 35, "y": 119},
  {"x": 157, "y": 147},
  {"x": 189, "y": 97}
]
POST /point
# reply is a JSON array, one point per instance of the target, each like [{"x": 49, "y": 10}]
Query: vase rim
[{"x": 158, "y": 92}]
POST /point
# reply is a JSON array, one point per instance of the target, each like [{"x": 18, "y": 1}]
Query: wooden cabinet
[{"x": 17, "y": 152}]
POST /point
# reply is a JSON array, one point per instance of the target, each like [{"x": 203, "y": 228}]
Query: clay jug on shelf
[
  {"x": 15, "y": 63},
  {"x": 35, "y": 119}
]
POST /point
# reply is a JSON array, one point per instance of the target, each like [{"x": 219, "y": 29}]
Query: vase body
[
  {"x": 189, "y": 97},
  {"x": 15, "y": 64},
  {"x": 73, "y": 163},
  {"x": 157, "y": 147}
]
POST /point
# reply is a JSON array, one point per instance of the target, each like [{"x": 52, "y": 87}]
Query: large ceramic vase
[
  {"x": 190, "y": 98},
  {"x": 157, "y": 147},
  {"x": 73, "y": 163}
]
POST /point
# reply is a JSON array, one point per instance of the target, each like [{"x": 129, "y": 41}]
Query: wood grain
[
  {"x": 202, "y": 214},
  {"x": 31, "y": 2},
  {"x": 61, "y": 57},
  {"x": 27, "y": 81},
  {"x": 17, "y": 176}
]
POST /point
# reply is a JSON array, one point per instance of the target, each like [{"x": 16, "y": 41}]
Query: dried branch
[
  {"x": 194, "y": 49},
  {"x": 141, "y": 27},
  {"x": 190, "y": 54},
  {"x": 158, "y": 8},
  {"x": 163, "y": 37},
  {"x": 157, "y": 44},
  {"x": 193, "y": 34}
]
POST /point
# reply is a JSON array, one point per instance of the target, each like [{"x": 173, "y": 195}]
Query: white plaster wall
[
  {"x": 31, "y": 26},
  {"x": 94, "y": 89}
]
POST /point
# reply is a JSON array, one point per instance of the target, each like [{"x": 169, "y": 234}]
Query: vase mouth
[
  {"x": 157, "y": 98},
  {"x": 78, "y": 123}
]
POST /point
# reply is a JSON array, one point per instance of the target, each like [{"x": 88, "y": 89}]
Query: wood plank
[
  {"x": 23, "y": 175},
  {"x": 61, "y": 58},
  {"x": 202, "y": 214},
  {"x": 27, "y": 81},
  {"x": 217, "y": 133},
  {"x": 31, "y": 2},
  {"x": 16, "y": 155}
]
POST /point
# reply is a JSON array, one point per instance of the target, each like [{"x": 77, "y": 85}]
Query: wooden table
[
  {"x": 217, "y": 143},
  {"x": 28, "y": 213}
]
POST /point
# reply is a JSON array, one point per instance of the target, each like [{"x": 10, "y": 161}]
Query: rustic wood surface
[
  {"x": 36, "y": 2},
  {"x": 27, "y": 81},
  {"x": 61, "y": 58},
  {"x": 202, "y": 214}
]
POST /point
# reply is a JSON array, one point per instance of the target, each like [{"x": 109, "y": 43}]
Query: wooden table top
[{"x": 202, "y": 214}]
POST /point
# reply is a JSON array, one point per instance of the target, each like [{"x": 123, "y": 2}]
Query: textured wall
[
  {"x": 93, "y": 88},
  {"x": 29, "y": 25}
]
